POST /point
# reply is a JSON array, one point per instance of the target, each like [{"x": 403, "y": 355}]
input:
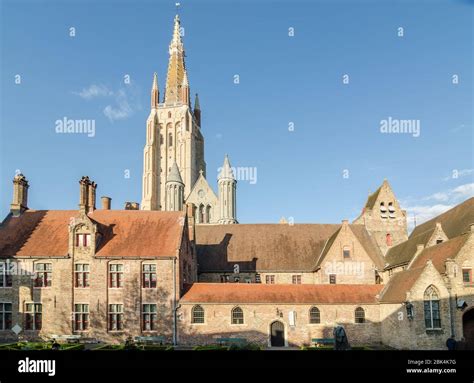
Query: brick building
[{"x": 182, "y": 268}]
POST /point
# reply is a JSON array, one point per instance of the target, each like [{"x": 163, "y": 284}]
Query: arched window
[
  {"x": 359, "y": 315},
  {"x": 314, "y": 315},
  {"x": 208, "y": 214},
  {"x": 388, "y": 239},
  {"x": 383, "y": 210},
  {"x": 197, "y": 314},
  {"x": 170, "y": 139},
  {"x": 237, "y": 316},
  {"x": 201, "y": 214},
  {"x": 431, "y": 305}
]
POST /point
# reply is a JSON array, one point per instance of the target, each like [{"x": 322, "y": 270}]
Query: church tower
[
  {"x": 227, "y": 194},
  {"x": 178, "y": 132},
  {"x": 151, "y": 154},
  {"x": 383, "y": 218},
  {"x": 174, "y": 190}
]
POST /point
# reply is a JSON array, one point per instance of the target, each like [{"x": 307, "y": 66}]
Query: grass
[
  {"x": 233, "y": 347},
  {"x": 121, "y": 347},
  {"x": 39, "y": 346},
  {"x": 325, "y": 348}
]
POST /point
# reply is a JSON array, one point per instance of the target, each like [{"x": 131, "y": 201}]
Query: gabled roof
[
  {"x": 242, "y": 293},
  {"x": 366, "y": 241},
  {"x": 399, "y": 284},
  {"x": 455, "y": 221},
  {"x": 261, "y": 247},
  {"x": 438, "y": 254},
  {"x": 45, "y": 233},
  {"x": 373, "y": 198}
]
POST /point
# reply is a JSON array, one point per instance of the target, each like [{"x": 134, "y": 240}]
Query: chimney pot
[{"x": 106, "y": 203}]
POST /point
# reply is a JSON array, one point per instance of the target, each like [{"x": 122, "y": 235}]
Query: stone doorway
[{"x": 277, "y": 334}]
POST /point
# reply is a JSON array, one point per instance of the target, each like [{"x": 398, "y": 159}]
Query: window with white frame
[
  {"x": 149, "y": 317},
  {"x": 6, "y": 274},
  {"x": 33, "y": 316},
  {"x": 81, "y": 275},
  {"x": 43, "y": 274},
  {"x": 115, "y": 317},
  {"x": 81, "y": 317}
]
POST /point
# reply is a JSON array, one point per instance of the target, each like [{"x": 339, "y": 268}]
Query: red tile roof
[
  {"x": 141, "y": 233},
  {"x": 262, "y": 293}
]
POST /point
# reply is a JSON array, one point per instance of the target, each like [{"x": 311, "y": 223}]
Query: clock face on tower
[{"x": 201, "y": 193}]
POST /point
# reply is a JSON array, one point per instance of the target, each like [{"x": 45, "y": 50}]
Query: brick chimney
[
  {"x": 87, "y": 195},
  {"x": 20, "y": 195},
  {"x": 106, "y": 203}
]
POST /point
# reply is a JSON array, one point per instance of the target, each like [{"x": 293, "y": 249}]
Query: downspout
[{"x": 175, "y": 332}]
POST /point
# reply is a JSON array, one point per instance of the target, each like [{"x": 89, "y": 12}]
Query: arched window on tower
[
  {"x": 391, "y": 210},
  {"x": 383, "y": 210},
  {"x": 170, "y": 139},
  {"x": 201, "y": 214},
  {"x": 431, "y": 308}
]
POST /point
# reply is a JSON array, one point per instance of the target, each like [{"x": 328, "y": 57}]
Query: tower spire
[
  {"x": 155, "y": 92},
  {"x": 176, "y": 66}
]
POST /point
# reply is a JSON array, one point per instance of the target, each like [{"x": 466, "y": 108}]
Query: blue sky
[{"x": 283, "y": 79}]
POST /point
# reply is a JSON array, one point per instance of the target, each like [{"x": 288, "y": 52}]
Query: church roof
[
  {"x": 174, "y": 175},
  {"x": 455, "y": 221},
  {"x": 255, "y": 293},
  {"x": 45, "y": 233},
  {"x": 438, "y": 254},
  {"x": 261, "y": 247},
  {"x": 176, "y": 66}
]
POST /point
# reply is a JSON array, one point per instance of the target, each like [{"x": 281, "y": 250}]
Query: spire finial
[
  {"x": 177, "y": 9},
  {"x": 155, "y": 81}
]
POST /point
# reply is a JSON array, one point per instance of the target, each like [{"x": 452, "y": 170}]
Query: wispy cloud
[
  {"x": 94, "y": 91},
  {"x": 123, "y": 102},
  {"x": 122, "y": 109},
  {"x": 435, "y": 204},
  {"x": 456, "y": 174}
]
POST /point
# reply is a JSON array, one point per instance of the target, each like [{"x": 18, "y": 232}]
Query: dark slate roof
[
  {"x": 261, "y": 247},
  {"x": 455, "y": 221}
]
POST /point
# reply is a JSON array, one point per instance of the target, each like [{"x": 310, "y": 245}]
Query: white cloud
[
  {"x": 124, "y": 103},
  {"x": 122, "y": 110},
  {"x": 94, "y": 91},
  {"x": 422, "y": 210}
]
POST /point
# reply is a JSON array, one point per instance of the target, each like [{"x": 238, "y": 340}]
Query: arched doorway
[
  {"x": 468, "y": 328},
  {"x": 277, "y": 334}
]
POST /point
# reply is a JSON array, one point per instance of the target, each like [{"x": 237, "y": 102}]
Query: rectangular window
[
  {"x": 5, "y": 316},
  {"x": 81, "y": 317},
  {"x": 115, "y": 317},
  {"x": 81, "y": 275},
  {"x": 83, "y": 240},
  {"x": 432, "y": 314},
  {"x": 115, "y": 275},
  {"x": 149, "y": 276},
  {"x": 6, "y": 279},
  {"x": 43, "y": 274},
  {"x": 332, "y": 279},
  {"x": 346, "y": 253},
  {"x": 296, "y": 279},
  {"x": 33, "y": 316},
  {"x": 270, "y": 279},
  {"x": 467, "y": 275},
  {"x": 149, "y": 317}
]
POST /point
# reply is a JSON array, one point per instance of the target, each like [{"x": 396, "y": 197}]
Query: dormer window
[
  {"x": 83, "y": 240},
  {"x": 346, "y": 252}
]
